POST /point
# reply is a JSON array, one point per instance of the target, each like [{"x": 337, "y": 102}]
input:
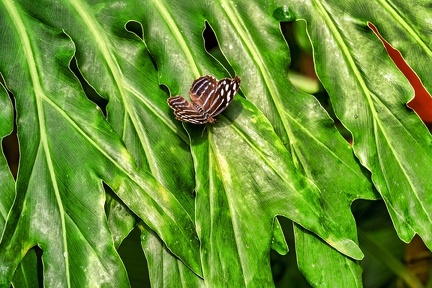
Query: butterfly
[{"x": 209, "y": 98}]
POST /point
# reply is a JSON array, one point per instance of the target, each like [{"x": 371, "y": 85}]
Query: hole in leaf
[
  {"x": 91, "y": 93},
  {"x": 134, "y": 260},
  {"x": 39, "y": 254},
  {"x": 210, "y": 40},
  {"x": 284, "y": 267},
  {"x": 11, "y": 150},
  {"x": 29, "y": 273},
  {"x": 302, "y": 69},
  {"x": 137, "y": 29},
  {"x": 212, "y": 46},
  {"x": 10, "y": 143},
  {"x": 376, "y": 227},
  {"x": 130, "y": 250},
  {"x": 422, "y": 102},
  {"x": 300, "y": 48}
]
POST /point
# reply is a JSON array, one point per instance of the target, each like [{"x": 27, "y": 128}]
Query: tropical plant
[{"x": 205, "y": 198}]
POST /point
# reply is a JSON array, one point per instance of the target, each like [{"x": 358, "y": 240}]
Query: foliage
[{"x": 205, "y": 199}]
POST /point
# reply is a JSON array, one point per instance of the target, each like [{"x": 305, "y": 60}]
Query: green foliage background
[{"x": 205, "y": 201}]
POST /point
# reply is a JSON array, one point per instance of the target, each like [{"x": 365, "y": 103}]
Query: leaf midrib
[
  {"x": 39, "y": 94},
  {"x": 377, "y": 124},
  {"x": 118, "y": 77},
  {"x": 216, "y": 166},
  {"x": 254, "y": 52},
  {"x": 172, "y": 26},
  {"x": 406, "y": 26}
]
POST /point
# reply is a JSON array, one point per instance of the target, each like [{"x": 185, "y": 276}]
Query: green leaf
[
  {"x": 370, "y": 100},
  {"x": 137, "y": 106},
  {"x": 321, "y": 266},
  {"x": 406, "y": 28},
  {"x": 159, "y": 259},
  {"x": 276, "y": 152},
  {"x": 26, "y": 275},
  {"x": 7, "y": 189},
  {"x": 121, "y": 220},
  {"x": 245, "y": 178},
  {"x": 177, "y": 30},
  {"x": 245, "y": 32},
  {"x": 181, "y": 30},
  {"x": 60, "y": 198}
]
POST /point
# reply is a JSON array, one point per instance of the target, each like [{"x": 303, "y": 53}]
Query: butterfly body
[{"x": 209, "y": 98}]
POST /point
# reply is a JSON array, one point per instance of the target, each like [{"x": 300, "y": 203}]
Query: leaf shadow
[{"x": 199, "y": 133}]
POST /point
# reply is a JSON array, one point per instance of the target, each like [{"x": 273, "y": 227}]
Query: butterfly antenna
[{"x": 202, "y": 133}]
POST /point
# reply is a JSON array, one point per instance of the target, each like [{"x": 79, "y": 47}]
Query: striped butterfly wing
[
  {"x": 209, "y": 98},
  {"x": 224, "y": 94},
  {"x": 203, "y": 90},
  {"x": 214, "y": 96},
  {"x": 186, "y": 111}
]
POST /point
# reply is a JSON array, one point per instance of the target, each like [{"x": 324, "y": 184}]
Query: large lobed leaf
[
  {"x": 25, "y": 275},
  {"x": 246, "y": 32},
  {"x": 249, "y": 167},
  {"x": 370, "y": 99},
  {"x": 223, "y": 190},
  {"x": 7, "y": 191},
  {"x": 117, "y": 65},
  {"x": 67, "y": 149}
]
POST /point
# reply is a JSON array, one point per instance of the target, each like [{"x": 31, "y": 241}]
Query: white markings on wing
[{"x": 209, "y": 98}]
